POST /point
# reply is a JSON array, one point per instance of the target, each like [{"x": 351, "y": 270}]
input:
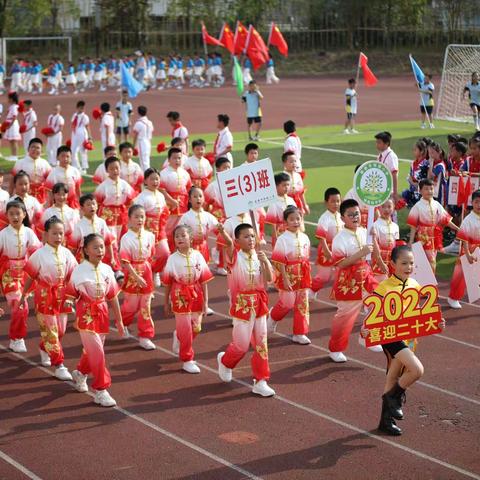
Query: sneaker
[
  {"x": 103, "y": 398},
  {"x": 311, "y": 294},
  {"x": 432, "y": 125},
  {"x": 422, "y": 126},
  {"x": 354, "y": 131},
  {"x": 337, "y": 357},
  {"x": 191, "y": 367},
  {"x": 210, "y": 311},
  {"x": 376, "y": 348},
  {"x": 453, "y": 248},
  {"x": 224, "y": 372},
  {"x": 62, "y": 373},
  {"x": 271, "y": 324},
  {"x": 45, "y": 359},
  {"x": 346, "y": 131},
  {"x": 80, "y": 381},
  {"x": 454, "y": 303},
  {"x": 84, "y": 171},
  {"x": 175, "y": 343},
  {"x": 222, "y": 272},
  {"x": 146, "y": 343},
  {"x": 156, "y": 280},
  {"x": 262, "y": 388},
  {"x": 18, "y": 345},
  {"x": 301, "y": 339}
]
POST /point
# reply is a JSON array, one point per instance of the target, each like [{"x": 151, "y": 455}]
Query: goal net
[{"x": 459, "y": 63}]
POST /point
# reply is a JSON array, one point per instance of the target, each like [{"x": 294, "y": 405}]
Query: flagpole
[
  {"x": 205, "y": 48},
  {"x": 420, "y": 93},
  {"x": 270, "y": 35},
  {"x": 247, "y": 41},
  {"x": 357, "y": 78}
]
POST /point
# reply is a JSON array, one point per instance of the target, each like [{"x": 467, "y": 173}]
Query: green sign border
[{"x": 368, "y": 198}]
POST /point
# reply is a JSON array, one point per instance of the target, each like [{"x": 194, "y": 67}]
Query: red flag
[
  {"x": 468, "y": 191},
  {"x": 208, "y": 39},
  {"x": 277, "y": 40},
  {"x": 227, "y": 38},
  {"x": 461, "y": 192},
  {"x": 240, "y": 38},
  {"x": 257, "y": 51},
  {"x": 369, "y": 77}
]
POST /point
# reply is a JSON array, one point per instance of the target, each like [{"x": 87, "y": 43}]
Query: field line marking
[{"x": 21, "y": 468}]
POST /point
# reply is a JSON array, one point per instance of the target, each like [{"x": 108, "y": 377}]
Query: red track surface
[{"x": 171, "y": 425}]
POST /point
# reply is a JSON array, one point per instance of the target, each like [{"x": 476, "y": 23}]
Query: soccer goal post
[{"x": 458, "y": 64}]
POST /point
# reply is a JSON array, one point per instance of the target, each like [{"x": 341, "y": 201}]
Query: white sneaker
[
  {"x": 18, "y": 345},
  {"x": 222, "y": 272},
  {"x": 146, "y": 343},
  {"x": 454, "y": 303},
  {"x": 311, "y": 294},
  {"x": 191, "y": 367},
  {"x": 337, "y": 357},
  {"x": 175, "y": 343},
  {"x": 271, "y": 324},
  {"x": 353, "y": 131},
  {"x": 103, "y": 398},
  {"x": 45, "y": 359},
  {"x": 432, "y": 125},
  {"x": 422, "y": 126},
  {"x": 301, "y": 339},
  {"x": 156, "y": 280},
  {"x": 376, "y": 348},
  {"x": 62, "y": 373},
  {"x": 262, "y": 388},
  {"x": 210, "y": 311},
  {"x": 224, "y": 372},
  {"x": 453, "y": 248},
  {"x": 346, "y": 131},
  {"x": 80, "y": 381}
]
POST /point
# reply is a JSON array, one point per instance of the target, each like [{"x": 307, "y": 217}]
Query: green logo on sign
[{"x": 373, "y": 183}]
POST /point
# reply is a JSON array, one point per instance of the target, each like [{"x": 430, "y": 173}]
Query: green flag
[{"x": 238, "y": 76}]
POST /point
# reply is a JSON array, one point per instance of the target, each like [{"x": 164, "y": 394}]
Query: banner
[
  {"x": 455, "y": 190},
  {"x": 471, "y": 272},
  {"x": 422, "y": 270}
]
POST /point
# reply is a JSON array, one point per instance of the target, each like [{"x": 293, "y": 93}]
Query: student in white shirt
[
  {"x": 224, "y": 142},
  {"x": 142, "y": 136},
  {"x": 123, "y": 110},
  {"x": 350, "y": 106},
  {"x": 107, "y": 124},
  {"x": 388, "y": 157},
  {"x": 30, "y": 122}
]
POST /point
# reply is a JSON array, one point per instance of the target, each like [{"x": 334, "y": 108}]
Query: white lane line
[
  {"x": 141, "y": 420},
  {"x": 21, "y": 468}
]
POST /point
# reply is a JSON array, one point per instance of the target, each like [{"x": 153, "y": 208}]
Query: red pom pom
[
  {"x": 68, "y": 143},
  {"x": 87, "y": 145},
  {"x": 47, "y": 131},
  {"x": 21, "y": 106},
  {"x": 96, "y": 113},
  {"x": 5, "y": 126},
  {"x": 161, "y": 147},
  {"x": 135, "y": 152},
  {"x": 400, "y": 243},
  {"x": 210, "y": 156},
  {"x": 23, "y": 128},
  {"x": 401, "y": 203}
]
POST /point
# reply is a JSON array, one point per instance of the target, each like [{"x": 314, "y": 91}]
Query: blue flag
[
  {"x": 417, "y": 71},
  {"x": 129, "y": 83}
]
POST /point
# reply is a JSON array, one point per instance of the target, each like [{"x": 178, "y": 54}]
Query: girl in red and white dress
[
  {"x": 329, "y": 224},
  {"x": 61, "y": 210},
  {"x": 65, "y": 173},
  {"x": 130, "y": 171},
  {"x": 153, "y": 201},
  {"x": 297, "y": 189},
  {"x": 114, "y": 196},
  {"x": 197, "y": 166},
  {"x": 186, "y": 295},
  {"x": 17, "y": 243},
  {"x": 385, "y": 233},
  {"x": 175, "y": 183},
  {"x": 250, "y": 271},
  {"x": 201, "y": 223},
  {"x": 11, "y": 127},
  {"x": 37, "y": 168},
  {"x": 136, "y": 253},
  {"x": 92, "y": 284},
  {"x": 291, "y": 258},
  {"x": 49, "y": 270}
]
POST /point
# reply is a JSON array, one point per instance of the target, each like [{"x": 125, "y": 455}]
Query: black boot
[
  {"x": 387, "y": 423},
  {"x": 395, "y": 397}
]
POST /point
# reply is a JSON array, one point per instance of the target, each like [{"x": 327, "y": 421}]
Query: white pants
[
  {"x": 271, "y": 77},
  {"x": 144, "y": 152},
  {"x": 27, "y": 136},
  {"x": 16, "y": 83},
  {"x": 53, "y": 142},
  {"x": 78, "y": 150}
]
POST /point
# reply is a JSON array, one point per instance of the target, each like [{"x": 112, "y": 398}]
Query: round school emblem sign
[{"x": 373, "y": 183}]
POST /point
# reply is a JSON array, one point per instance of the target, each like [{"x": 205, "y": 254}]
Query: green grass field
[{"x": 325, "y": 168}]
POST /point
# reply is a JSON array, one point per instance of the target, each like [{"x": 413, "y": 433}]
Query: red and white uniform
[
  {"x": 429, "y": 218},
  {"x": 469, "y": 233},
  {"x": 114, "y": 198},
  {"x": 350, "y": 285},
  {"x": 390, "y": 159},
  {"x": 67, "y": 215},
  {"x": 363, "y": 207},
  {"x": 328, "y": 226},
  {"x": 132, "y": 173},
  {"x": 292, "y": 250},
  {"x": 177, "y": 184},
  {"x": 4, "y": 197},
  {"x": 180, "y": 131},
  {"x": 29, "y": 120},
  {"x": 50, "y": 269},
  {"x": 200, "y": 171},
  {"x": 56, "y": 123},
  {"x": 137, "y": 249},
  {"x": 13, "y": 131},
  {"x": 80, "y": 122},
  {"x": 92, "y": 286},
  {"x": 38, "y": 171},
  {"x": 214, "y": 202},
  {"x": 182, "y": 162},
  {"x": 157, "y": 212},
  {"x": 16, "y": 246},
  {"x": 202, "y": 224},
  {"x": 274, "y": 215},
  {"x": 71, "y": 177},
  {"x": 107, "y": 133},
  {"x": 248, "y": 308},
  {"x": 144, "y": 129},
  {"x": 185, "y": 274},
  {"x": 224, "y": 140},
  {"x": 100, "y": 174},
  {"x": 386, "y": 232},
  {"x": 471, "y": 165},
  {"x": 296, "y": 189},
  {"x": 34, "y": 210},
  {"x": 293, "y": 144}
]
